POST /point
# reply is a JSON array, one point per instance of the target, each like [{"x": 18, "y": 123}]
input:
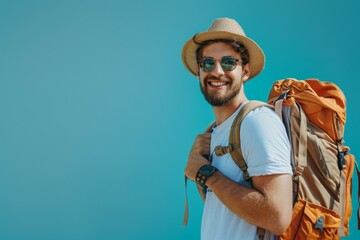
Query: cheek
[
  {"x": 201, "y": 78},
  {"x": 236, "y": 75}
]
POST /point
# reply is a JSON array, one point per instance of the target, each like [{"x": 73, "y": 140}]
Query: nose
[{"x": 218, "y": 71}]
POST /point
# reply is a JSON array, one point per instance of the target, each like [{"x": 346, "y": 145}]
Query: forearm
[{"x": 260, "y": 208}]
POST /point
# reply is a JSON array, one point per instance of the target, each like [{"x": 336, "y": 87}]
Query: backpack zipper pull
[{"x": 320, "y": 224}]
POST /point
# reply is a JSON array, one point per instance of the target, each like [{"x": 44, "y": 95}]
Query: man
[{"x": 223, "y": 59}]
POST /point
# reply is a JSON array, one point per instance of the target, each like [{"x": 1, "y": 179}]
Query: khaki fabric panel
[
  {"x": 298, "y": 125},
  {"x": 320, "y": 180}
]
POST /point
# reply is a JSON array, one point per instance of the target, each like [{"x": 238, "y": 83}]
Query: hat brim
[{"x": 257, "y": 57}]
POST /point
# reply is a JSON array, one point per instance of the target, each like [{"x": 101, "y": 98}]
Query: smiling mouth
[{"x": 217, "y": 83}]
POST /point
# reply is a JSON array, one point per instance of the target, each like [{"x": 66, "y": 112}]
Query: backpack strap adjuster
[{"x": 222, "y": 150}]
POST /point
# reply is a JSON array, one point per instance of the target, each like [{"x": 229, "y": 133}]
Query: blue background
[{"x": 98, "y": 112}]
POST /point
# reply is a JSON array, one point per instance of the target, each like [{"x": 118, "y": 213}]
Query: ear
[
  {"x": 198, "y": 73},
  {"x": 246, "y": 72}
]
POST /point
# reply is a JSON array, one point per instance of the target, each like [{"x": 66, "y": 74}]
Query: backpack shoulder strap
[
  {"x": 234, "y": 138},
  {"x": 235, "y": 145}
]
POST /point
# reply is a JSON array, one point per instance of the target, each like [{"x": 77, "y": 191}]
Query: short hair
[{"x": 238, "y": 47}]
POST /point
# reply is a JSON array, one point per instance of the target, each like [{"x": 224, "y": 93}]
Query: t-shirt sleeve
[{"x": 264, "y": 143}]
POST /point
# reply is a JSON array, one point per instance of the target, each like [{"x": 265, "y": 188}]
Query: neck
[{"x": 224, "y": 112}]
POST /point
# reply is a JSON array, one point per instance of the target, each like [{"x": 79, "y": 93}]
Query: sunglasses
[{"x": 207, "y": 64}]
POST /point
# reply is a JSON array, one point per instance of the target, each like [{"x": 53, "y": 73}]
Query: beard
[{"x": 216, "y": 100}]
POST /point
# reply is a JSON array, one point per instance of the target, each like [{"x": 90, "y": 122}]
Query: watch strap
[{"x": 201, "y": 178}]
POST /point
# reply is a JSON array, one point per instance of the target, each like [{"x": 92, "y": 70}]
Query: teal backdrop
[{"x": 98, "y": 113}]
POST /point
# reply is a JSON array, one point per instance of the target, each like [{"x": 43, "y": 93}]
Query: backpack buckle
[
  {"x": 283, "y": 95},
  {"x": 222, "y": 150}
]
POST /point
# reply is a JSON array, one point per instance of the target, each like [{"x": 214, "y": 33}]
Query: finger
[
  {"x": 204, "y": 136},
  {"x": 203, "y": 139},
  {"x": 204, "y": 150},
  {"x": 201, "y": 148}
]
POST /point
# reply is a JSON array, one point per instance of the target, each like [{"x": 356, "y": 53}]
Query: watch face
[{"x": 207, "y": 169}]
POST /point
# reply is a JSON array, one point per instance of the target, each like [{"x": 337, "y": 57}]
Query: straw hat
[{"x": 223, "y": 28}]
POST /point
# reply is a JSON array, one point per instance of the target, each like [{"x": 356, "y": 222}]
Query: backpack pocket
[
  {"x": 313, "y": 222},
  {"x": 320, "y": 180}
]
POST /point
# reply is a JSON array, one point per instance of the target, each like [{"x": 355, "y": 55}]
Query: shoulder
[
  {"x": 262, "y": 116},
  {"x": 263, "y": 128},
  {"x": 264, "y": 143}
]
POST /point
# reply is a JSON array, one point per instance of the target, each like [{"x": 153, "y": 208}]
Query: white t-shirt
[{"x": 266, "y": 150}]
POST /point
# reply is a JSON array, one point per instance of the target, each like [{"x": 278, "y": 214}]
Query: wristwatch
[{"x": 204, "y": 173}]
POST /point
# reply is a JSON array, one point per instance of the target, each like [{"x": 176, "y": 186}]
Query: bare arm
[{"x": 268, "y": 204}]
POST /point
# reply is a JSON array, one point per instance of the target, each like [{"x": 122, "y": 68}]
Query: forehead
[{"x": 219, "y": 50}]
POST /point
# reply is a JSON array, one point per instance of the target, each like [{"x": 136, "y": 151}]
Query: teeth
[{"x": 217, "y": 84}]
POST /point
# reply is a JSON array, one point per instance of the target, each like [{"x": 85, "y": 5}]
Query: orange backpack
[{"x": 314, "y": 114}]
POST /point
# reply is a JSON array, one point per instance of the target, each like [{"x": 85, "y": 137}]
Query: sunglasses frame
[{"x": 202, "y": 67}]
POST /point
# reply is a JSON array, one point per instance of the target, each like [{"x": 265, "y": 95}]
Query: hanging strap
[
  {"x": 358, "y": 213},
  {"x": 186, "y": 211},
  {"x": 279, "y": 103},
  {"x": 299, "y": 160},
  {"x": 301, "y": 156}
]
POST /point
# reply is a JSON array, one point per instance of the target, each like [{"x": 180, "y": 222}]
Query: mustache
[{"x": 221, "y": 78}]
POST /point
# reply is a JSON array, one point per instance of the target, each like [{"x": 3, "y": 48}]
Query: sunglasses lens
[
  {"x": 208, "y": 64},
  {"x": 228, "y": 63}
]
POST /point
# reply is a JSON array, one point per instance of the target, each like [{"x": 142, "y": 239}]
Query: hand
[{"x": 196, "y": 159}]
